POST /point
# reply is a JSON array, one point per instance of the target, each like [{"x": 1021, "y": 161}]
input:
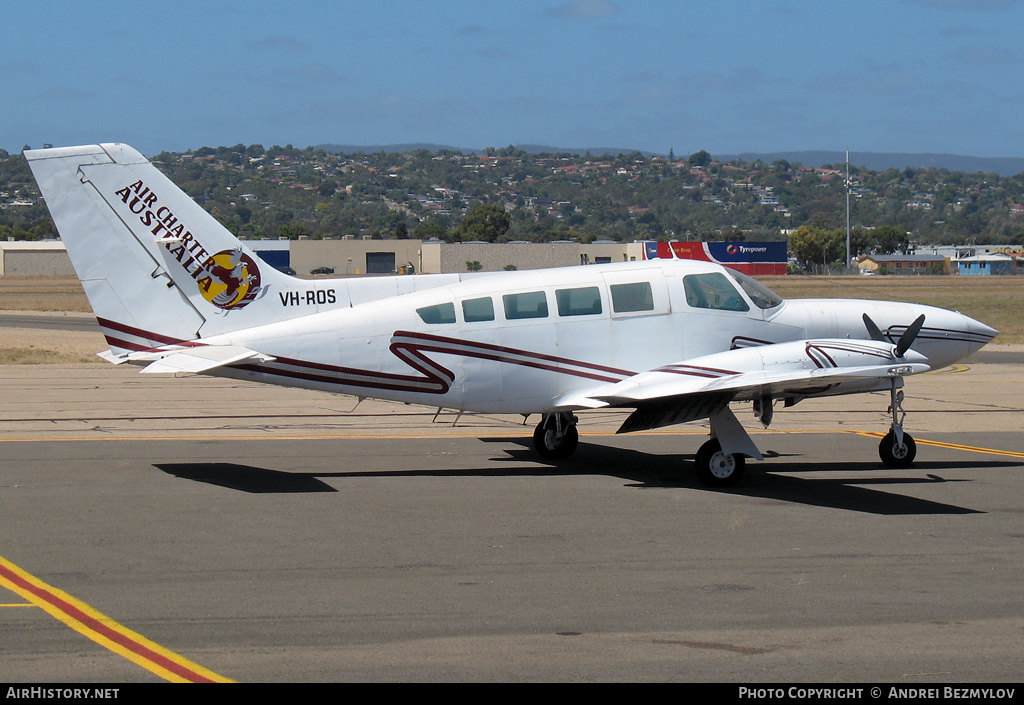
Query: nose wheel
[
  {"x": 897, "y": 454},
  {"x": 897, "y": 449}
]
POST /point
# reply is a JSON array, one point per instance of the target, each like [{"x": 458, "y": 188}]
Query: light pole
[{"x": 847, "y": 267}]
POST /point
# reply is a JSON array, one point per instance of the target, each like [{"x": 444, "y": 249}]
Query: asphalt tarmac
[{"x": 262, "y": 534}]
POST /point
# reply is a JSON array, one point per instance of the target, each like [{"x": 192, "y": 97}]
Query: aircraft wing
[{"x": 701, "y": 387}]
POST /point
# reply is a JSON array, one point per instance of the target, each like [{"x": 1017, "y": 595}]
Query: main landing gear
[
  {"x": 897, "y": 449},
  {"x": 722, "y": 460},
  {"x": 556, "y": 437},
  {"x": 716, "y": 468}
]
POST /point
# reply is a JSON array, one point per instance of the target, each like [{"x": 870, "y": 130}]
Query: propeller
[
  {"x": 905, "y": 341},
  {"x": 909, "y": 335},
  {"x": 873, "y": 329}
]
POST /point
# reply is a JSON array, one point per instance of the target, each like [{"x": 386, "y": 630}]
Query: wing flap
[{"x": 668, "y": 412}]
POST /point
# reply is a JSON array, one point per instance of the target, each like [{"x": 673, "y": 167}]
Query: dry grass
[
  {"x": 21, "y": 293},
  {"x": 43, "y": 356},
  {"x": 24, "y": 346},
  {"x": 995, "y": 301}
]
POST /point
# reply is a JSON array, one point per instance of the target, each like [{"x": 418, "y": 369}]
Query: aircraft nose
[
  {"x": 950, "y": 336},
  {"x": 978, "y": 333}
]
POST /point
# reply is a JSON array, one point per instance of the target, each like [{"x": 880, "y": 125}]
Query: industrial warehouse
[{"x": 350, "y": 256}]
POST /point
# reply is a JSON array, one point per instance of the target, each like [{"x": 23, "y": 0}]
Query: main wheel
[
  {"x": 716, "y": 468},
  {"x": 552, "y": 446},
  {"x": 896, "y": 456}
]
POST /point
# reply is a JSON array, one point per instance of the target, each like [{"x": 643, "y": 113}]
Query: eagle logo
[{"x": 230, "y": 279}]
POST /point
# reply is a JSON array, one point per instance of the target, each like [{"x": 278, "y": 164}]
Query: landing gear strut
[
  {"x": 897, "y": 449},
  {"x": 556, "y": 437}
]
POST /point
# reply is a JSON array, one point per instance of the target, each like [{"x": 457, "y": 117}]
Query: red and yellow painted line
[
  {"x": 951, "y": 446},
  {"x": 104, "y": 630}
]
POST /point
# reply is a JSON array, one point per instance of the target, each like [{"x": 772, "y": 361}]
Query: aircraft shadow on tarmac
[
  {"x": 652, "y": 471},
  {"x": 642, "y": 470},
  {"x": 248, "y": 478}
]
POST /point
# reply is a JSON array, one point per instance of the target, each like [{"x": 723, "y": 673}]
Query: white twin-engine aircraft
[{"x": 673, "y": 340}]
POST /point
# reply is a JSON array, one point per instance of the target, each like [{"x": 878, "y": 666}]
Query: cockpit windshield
[{"x": 762, "y": 296}]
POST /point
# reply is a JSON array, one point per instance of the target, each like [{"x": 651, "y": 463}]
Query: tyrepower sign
[{"x": 754, "y": 258}]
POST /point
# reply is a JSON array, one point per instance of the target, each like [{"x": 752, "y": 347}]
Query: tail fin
[{"x": 156, "y": 267}]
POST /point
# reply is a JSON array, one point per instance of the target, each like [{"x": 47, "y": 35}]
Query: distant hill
[
  {"x": 880, "y": 161},
  {"x": 530, "y": 148},
  {"x": 377, "y": 148},
  {"x": 876, "y": 161},
  {"x": 593, "y": 151}
]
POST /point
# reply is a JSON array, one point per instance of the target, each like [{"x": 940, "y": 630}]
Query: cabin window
[
  {"x": 476, "y": 310},
  {"x": 585, "y": 301},
  {"x": 628, "y": 298},
  {"x": 533, "y": 304},
  {"x": 713, "y": 290},
  {"x": 441, "y": 313}
]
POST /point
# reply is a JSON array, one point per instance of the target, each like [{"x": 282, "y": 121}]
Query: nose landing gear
[{"x": 897, "y": 449}]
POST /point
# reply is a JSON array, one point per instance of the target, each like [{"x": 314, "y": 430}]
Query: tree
[
  {"x": 701, "y": 158},
  {"x": 817, "y": 246},
  {"x": 486, "y": 222},
  {"x": 293, "y": 231},
  {"x": 427, "y": 230},
  {"x": 889, "y": 240}
]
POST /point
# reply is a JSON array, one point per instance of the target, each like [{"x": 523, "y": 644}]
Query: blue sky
[{"x": 873, "y": 75}]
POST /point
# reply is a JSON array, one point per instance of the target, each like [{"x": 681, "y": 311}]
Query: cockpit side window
[
  {"x": 713, "y": 290},
  {"x": 441, "y": 313}
]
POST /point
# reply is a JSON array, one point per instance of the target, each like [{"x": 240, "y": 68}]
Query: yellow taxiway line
[
  {"x": 952, "y": 446},
  {"x": 104, "y": 630}
]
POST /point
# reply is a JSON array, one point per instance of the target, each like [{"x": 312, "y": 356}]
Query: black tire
[
  {"x": 718, "y": 469},
  {"x": 894, "y": 457},
  {"x": 549, "y": 446}
]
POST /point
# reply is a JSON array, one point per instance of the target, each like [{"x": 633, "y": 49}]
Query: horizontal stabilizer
[
  {"x": 112, "y": 357},
  {"x": 198, "y": 359}
]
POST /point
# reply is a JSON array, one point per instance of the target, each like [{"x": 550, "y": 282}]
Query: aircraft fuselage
[{"x": 519, "y": 342}]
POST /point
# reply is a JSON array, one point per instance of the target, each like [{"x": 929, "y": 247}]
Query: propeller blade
[
  {"x": 907, "y": 339},
  {"x": 873, "y": 330}
]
